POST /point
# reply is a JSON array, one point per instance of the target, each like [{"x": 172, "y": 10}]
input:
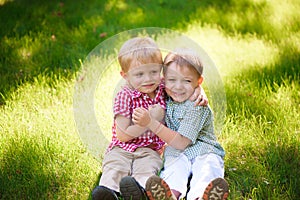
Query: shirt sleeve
[
  {"x": 193, "y": 121},
  {"x": 122, "y": 104}
]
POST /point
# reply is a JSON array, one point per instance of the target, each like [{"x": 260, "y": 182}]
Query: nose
[
  {"x": 148, "y": 77},
  {"x": 177, "y": 85}
]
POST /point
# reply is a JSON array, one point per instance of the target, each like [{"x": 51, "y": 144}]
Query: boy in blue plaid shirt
[{"x": 193, "y": 149}]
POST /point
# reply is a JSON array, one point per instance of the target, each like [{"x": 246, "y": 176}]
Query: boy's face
[
  {"x": 145, "y": 78},
  {"x": 180, "y": 82}
]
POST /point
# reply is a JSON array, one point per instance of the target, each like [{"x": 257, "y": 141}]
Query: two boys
[{"x": 134, "y": 153}]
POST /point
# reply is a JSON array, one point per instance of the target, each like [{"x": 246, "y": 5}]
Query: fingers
[
  {"x": 138, "y": 113},
  {"x": 204, "y": 102},
  {"x": 198, "y": 100},
  {"x": 134, "y": 120},
  {"x": 201, "y": 101}
]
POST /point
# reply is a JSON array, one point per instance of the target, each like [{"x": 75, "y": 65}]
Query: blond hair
[
  {"x": 138, "y": 51},
  {"x": 184, "y": 57}
]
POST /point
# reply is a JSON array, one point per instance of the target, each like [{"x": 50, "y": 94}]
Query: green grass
[{"x": 254, "y": 43}]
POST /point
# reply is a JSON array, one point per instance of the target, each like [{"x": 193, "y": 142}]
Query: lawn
[{"x": 46, "y": 150}]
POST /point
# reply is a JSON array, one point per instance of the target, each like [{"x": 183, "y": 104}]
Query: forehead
[
  {"x": 145, "y": 67},
  {"x": 185, "y": 70}
]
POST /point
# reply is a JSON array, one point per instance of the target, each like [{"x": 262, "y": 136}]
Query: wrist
[{"x": 153, "y": 124}]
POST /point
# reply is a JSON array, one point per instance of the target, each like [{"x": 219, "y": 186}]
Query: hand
[
  {"x": 199, "y": 97},
  {"x": 157, "y": 112},
  {"x": 201, "y": 100},
  {"x": 141, "y": 117}
]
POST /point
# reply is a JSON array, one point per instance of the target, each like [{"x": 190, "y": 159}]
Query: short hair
[
  {"x": 139, "y": 51},
  {"x": 184, "y": 57}
]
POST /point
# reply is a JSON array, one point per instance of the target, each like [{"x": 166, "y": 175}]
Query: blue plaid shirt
[{"x": 195, "y": 123}]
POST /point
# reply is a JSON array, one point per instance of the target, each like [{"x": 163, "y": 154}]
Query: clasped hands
[{"x": 142, "y": 116}]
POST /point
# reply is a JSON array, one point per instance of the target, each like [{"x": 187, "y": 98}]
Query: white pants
[{"x": 203, "y": 169}]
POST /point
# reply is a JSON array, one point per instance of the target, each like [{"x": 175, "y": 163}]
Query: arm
[
  {"x": 126, "y": 130},
  {"x": 142, "y": 117}
]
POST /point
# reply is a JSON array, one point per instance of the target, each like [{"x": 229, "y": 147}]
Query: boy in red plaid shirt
[{"x": 134, "y": 153}]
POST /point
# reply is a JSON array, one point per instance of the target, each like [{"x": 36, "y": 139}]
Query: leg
[
  {"x": 176, "y": 173},
  {"x": 132, "y": 187},
  {"x": 116, "y": 164},
  {"x": 146, "y": 163},
  {"x": 205, "y": 168}
]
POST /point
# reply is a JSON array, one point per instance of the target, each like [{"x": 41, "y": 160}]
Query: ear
[
  {"x": 123, "y": 74},
  {"x": 200, "y": 80}
]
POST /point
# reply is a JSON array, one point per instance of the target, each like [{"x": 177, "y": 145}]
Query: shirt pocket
[{"x": 178, "y": 116}]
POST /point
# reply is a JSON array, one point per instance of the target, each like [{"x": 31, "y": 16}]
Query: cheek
[
  {"x": 168, "y": 91},
  {"x": 168, "y": 85},
  {"x": 157, "y": 78},
  {"x": 190, "y": 88},
  {"x": 135, "y": 82}
]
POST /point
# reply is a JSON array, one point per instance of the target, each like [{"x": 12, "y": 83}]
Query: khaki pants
[{"x": 140, "y": 164}]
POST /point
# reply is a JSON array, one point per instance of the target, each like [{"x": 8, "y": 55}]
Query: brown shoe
[
  {"x": 217, "y": 189},
  {"x": 158, "y": 189}
]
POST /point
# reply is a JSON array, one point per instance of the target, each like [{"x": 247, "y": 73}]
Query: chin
[
  {"x": 147, "y": 91},
  {"x": 178, "y": 99}
]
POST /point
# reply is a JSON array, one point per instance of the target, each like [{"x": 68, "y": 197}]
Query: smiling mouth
[
  {"x": 148, "y": 85},
  {"x": 178, "y": 94}
]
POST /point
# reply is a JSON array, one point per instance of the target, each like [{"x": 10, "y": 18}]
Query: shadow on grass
[
  {"x": 26, "y": 172},
  {"x": 282, "y": 160},
  {"x": 272, "y": 174},
  {"x": 51, "y": 37},
  {"x": 39, "y": 167}
]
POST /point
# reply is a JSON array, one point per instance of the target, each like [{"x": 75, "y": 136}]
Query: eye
[
  {"x": 171, "y": 79},
  {"x": 139, "y": 74},
  {"x": 187, "y": 81},
  {"x": 154, "y": 72}
]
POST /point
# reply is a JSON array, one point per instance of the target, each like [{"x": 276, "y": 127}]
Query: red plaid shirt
[{"x": 125, "y": 102}]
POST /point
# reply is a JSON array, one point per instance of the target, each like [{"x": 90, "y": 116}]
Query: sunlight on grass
[
  {"x": 233, "y": 54},
  {"x": 120, "y": 5},
  {"x": 134, "y": 16},
  {"x": 284, "y": 14},
  {"x": 2, "y": 2}
]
